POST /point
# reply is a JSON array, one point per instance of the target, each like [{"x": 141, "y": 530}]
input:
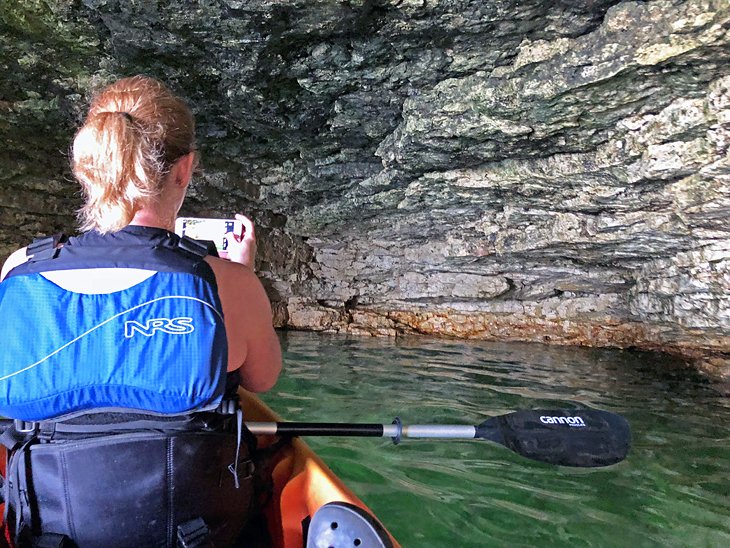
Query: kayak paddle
[{"x": 582, "y": 438}]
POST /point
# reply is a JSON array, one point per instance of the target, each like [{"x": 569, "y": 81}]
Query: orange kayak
[{"x": 302, "y": 483}]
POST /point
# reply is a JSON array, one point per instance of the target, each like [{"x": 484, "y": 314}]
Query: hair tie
[{"x": 127, "y": 116}]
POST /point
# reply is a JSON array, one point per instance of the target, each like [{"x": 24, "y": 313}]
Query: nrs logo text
[{"x": 171, "y": 326}]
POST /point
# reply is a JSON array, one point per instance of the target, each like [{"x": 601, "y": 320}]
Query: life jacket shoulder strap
[
  {"x": 45, "y": 248},
  {"x": 199, "y": 248},
  {"x": 48, "y": 247}
]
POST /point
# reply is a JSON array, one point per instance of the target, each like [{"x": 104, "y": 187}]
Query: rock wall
[{"x": 544, "y": 170}]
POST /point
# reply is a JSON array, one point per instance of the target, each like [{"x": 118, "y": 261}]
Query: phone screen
[{"x": 213, "y": 230}]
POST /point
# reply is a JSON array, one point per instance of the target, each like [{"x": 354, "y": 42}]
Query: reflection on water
[{"x": 672, "y": 490}]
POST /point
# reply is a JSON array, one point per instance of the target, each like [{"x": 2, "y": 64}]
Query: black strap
[
  {"x": 16, "y": 432},
  {"x": 15, "y": 489},
  {"x": 66, "y": 428},
  {"x": 193, "y": 246},
  {"x": 45, "y": 248}
]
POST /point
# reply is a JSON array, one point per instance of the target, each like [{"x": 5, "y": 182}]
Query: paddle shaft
[{"x": 362, "y": 430}]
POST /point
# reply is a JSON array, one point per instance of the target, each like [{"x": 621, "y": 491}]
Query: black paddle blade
[{"x": 568, "y": 437}]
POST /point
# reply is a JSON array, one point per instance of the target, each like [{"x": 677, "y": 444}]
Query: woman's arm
[{"x": 253, "y": 347}]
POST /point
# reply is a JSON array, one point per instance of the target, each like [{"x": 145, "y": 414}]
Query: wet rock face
[{"x": 550, "y": 171}]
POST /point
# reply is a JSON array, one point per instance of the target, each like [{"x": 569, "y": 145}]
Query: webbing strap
[
  {"x": 233, "y": 468},
  {"x": 193, "y": 246},
  {"x": 15, "y": 432},
  {"x": 15, "y": 493},
  {"x": 45, "y": 248},
  {"x": 66, "y": 428}
]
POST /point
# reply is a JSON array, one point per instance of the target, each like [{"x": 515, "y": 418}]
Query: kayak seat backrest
[{"x": 343, "y": 524}]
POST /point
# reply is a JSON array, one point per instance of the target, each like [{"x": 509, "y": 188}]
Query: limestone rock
[{"x": 544, "y": 171}]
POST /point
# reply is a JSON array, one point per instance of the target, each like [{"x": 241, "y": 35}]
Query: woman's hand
[{"x": 242, "y": 247}]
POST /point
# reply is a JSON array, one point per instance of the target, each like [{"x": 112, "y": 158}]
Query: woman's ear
[{"x": 182, "y": 169}]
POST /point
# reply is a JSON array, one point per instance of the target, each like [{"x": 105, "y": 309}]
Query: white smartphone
[{"x": 213, "y": 230}]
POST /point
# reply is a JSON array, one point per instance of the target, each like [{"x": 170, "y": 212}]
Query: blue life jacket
[{"x": 128, "y": 320}]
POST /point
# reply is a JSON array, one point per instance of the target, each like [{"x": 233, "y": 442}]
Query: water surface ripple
[{"x": 672, "y": 490}]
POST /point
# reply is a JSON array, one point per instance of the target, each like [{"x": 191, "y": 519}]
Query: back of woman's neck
[{"x": 148, "y": 218}]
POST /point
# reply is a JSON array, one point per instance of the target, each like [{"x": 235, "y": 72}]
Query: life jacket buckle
[
  {"x": 25, "y": 427},
  {"x": 228, "y": 406},
  {"x": 193, "y": 534}
]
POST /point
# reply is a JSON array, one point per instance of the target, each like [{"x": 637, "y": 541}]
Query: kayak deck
[{"x": 302, "y": 482}]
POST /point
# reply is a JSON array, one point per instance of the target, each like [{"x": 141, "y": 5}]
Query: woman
[
  {"x": 128, "y": 319},
  {"x": 134, "y": 158}
]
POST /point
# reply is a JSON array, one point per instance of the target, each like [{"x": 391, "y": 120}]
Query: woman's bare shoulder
[
  {"x": 227, "y": 271},
  {"x": 237, "y": 280},
  {"x": 253, "y": 345},
  {"x": 16, "y": 259}
]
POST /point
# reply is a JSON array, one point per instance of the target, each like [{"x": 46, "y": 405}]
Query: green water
[{"x": 672, "y": 490}]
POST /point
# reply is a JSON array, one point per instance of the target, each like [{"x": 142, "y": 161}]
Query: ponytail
[
  {"x": 116, "y": 170},
  {"x": 135, "y": 130}
]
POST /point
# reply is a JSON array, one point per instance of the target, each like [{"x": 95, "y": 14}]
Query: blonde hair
[{"x": 136, "y": 129}]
